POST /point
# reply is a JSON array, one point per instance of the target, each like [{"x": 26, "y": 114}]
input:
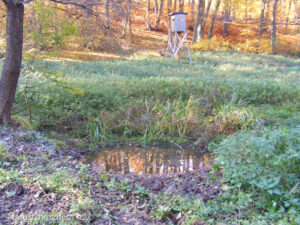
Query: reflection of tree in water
[
  {"x": 126, "y": 163},
  {"x": 158, "y": 162},
  {"x": 153, "y": 161}
]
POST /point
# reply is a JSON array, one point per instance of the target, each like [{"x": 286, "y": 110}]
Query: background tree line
[
  {"x": 102, "y": 24},
  {"x": 109, "y": 25}
]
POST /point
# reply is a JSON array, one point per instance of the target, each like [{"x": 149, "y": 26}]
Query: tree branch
[
  {"x": 28, "y": 1},
  {"x": 83, "y": 6},
  {"x": 75, "y": 4},
  {"x": 5, "y": 2}
]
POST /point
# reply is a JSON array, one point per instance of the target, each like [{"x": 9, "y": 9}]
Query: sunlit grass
[{"x": 145, "y": 98}]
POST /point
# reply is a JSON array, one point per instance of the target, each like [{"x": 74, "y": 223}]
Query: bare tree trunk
[
  {"x": 198, "y": 20},
  {"x": 202, "y": 16},
  {"x": 288, "y": 15},
  {"x": 267, "y": 10},
  {"x": 213, "y": 19},
  {"x": 297, "y": 14},
  {"x": 175, "y": 5},
  {"x": 13, "y": 58},
  {"x": 125, "y": 26},
  {"x": 169, "y": 21},
  {"x": 155, "y": 7},
  {"x": 129, "y": 20},
  {"x": 227, "y": 17},
  {"x": 273, "y": 39},
  {"x": 202, "y": 26},
  {"x": 181, "y": 5},
  {"x": 158, "y": 17},
  {"x": 192, "y": 14},
  {"x": 262, "y": 19},
  {"x": 107, "y": 17},
  {"x": 246, "y": 19},
  {"x": 148, "y": 15}
]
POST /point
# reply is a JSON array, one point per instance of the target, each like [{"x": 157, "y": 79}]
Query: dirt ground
[{"x": 115, "y": 198}]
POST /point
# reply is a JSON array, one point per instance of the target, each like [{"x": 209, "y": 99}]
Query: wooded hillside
[{"x": 125, "y": 26}]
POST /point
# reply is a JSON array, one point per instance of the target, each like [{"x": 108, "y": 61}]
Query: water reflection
[{"x": 150, "y": 161}]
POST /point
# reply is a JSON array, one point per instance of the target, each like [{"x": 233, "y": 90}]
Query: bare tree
[
  {"x": 213, "y": 19},
  {"x": 181, "y": 5},
  {"x": 148, "y": 15},
  {"x": 169, "y": 21},
  {"x": 192, "y": 14},
  {"x": 297, "y": 14},
  {"x": 202, "y": 26},
  {"x": 158, "y": 16},
  {"x": 227, "y": 9},
  {"x": 127, "y": 22},
  {"x": 288, "y": 14},
  {"x": 155, "y": 7},
  {"x": 262, "y": 19},
  {"x": 200, "y": 13},
  {"x": 107, "y": 17},
  {"x": 246, "y": 19},
  {"x": 13, "y": 58},
  {"x": 14, "y": 46},
  {"x": 273, "y": 39}
]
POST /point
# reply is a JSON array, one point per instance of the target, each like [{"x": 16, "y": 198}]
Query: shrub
[
  {"x": 263, "y": 164},
  {"x": 213, "y": 44},
  {"x": 255, "y": 46}
]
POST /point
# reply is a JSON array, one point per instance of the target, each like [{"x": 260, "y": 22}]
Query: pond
[{"x": 150, "y": 161}]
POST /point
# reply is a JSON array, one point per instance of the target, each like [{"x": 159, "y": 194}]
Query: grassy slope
[
  {"x": 160, "y": 100},
  {"x": 150, "y": 99}
]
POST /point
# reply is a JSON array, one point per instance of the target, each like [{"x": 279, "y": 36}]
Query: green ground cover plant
[
  {"x": 150, "y": 99},
  {"x": 245, "y": 107}
]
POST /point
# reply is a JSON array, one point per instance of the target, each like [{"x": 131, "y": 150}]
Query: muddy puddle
[{"x": 150, "y": 161}]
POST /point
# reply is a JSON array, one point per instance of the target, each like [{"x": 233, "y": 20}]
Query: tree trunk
[
  {"x": 262, "y": 19},
  {"x": 181, "y": 5},
  {"x": 13, "y": 59},
  {"x": 273, "y": 39},
  {"x": 227, "y": 17},
  {"x": 148, "y": 15},
  {"x": 297, "y": 14},
  {"x": 213, "y": 19},
  {"x": 175, "y": 5},
  {"x": 192, "y": 14},
  {"x": 169, "y": 20},
  {"x": 155, "y": 7},
  {"x": 107, "y": 17},
  {"x": 129, "y": 20},
  {"x": 267, "y": 10},
  {"x": 202, "y": 26},
  {"x": 158, "y": 17},
  {"x": 125, "y": 22},
  {"x": 246, "y": 19},
  {"x": 288, "y": 15},
  {"x": 198, "y": 20}
]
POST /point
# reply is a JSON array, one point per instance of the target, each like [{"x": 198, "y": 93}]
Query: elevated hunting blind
[
  {"x": 178, "y": 39},
  {"x": 178, "y": 22}
]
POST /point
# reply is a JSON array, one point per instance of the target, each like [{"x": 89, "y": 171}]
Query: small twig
[
  {"x": 25, "y": 89},
  {"x": 26, "y": 100}
]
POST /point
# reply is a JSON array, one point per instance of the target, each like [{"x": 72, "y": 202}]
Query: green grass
[
  {"x": 150, "y": 99},
  {"x": 248, "y": 104}
]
